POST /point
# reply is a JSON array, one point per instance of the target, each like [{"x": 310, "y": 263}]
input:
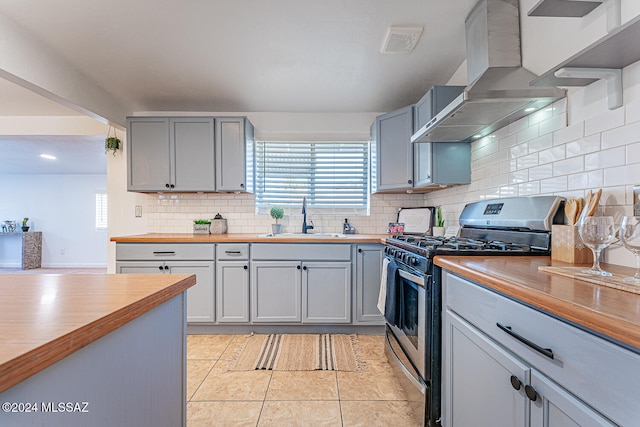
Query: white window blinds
[
  {"x": 101, "y": 211},
  {"x": 334, "y": 176}
]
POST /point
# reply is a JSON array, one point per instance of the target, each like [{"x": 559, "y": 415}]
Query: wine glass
[
  {"x": 596, "y": 232},
  {"x": 630, "y": 237}
]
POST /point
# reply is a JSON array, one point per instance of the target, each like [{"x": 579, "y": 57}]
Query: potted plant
[
  {"x": 276, "y": 213},
  {"x": 112, "y": 143},
  {"x": 25, "y": 227},
  {"x": 201, "y": 226},
  {"x": 438, "y": 226}
]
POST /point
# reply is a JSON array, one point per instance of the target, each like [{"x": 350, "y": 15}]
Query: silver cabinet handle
[{"x": 164, "y": 253}]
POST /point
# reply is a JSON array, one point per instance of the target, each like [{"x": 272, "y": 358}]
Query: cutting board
[{"x": 416, "y": 220}]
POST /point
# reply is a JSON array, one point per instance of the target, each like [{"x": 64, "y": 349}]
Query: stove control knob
[{"x": 414, "y": 261}]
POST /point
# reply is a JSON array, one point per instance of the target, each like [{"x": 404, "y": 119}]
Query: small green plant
[
  {"x": 439, "y": 219},
  {"x": 24, "y": 221},
  {"x": 201, "y": 221},
  {"x": 276, "y": 213},
  {"x": 112, "y": 143}
]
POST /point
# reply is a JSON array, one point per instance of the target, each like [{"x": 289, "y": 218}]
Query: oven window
[{"x": 409, "y": 311}]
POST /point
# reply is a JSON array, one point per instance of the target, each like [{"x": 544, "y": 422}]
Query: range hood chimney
[{"x": 499, "y": 91}]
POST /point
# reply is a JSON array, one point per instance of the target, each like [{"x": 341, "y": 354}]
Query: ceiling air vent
[{"x": 401, "y": 39}]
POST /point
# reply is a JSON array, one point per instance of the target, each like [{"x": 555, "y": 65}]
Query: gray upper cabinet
[
  {"x": 171, "y": 154},
  {"x": 394, "y": 151},
  {"x": 149, "y": 154},
  {"x": 234, "y": 154},
  {"x": 439, "y": 163}
]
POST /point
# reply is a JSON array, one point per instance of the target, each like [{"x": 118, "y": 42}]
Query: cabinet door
[
  {"x": 193, "y": 165},
  {"x": 422, "y": 160},
  {"x": 555, "y": 407},
  {"x": 395, "y": 151},
  {"x": 232, "y": 291},
  {"x": 478, "y": 388},
  {"x": 149, "y": 154},
  {"x": 200, "y": 297},
  {"x": 275, "y": 291},
  {"x": 326, "y": 292},
  {"x": 368, "y": 272},
  {"x": 231, "y": 154},
  {"x": 451, "y": 162}
]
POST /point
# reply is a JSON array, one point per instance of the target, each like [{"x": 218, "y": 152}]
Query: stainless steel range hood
[{"x": 499, "y": 92}]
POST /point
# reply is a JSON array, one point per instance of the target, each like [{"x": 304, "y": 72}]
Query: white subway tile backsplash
[
  {"x": 541, "y": 172},
  {"x": 605, "y": 159},
  {"x": 541, "y": 143},
  {"x": 621, "y": 136},
  {"x": 609, "y": 119},
  {"x": 527, "y": 161},
  {"x": 552, "y": 154},
  {"x": 632, "y": 113},
  {"x": 568, "y": 166},
  {"x": 507, "y": 142},
  {"x": 540, "y": 116},
  {"x": 553, "y": 185},
  {"x": 582, "y": 146},
  {"x": 527, "y": 134},
  {"x": 518, "y": 126},
  {"x": 621, "y": 175},
  {"x": 529, "y": 188},
  {"x": 552, "y": 124},
  {"x": 633, "y": 154},
  {"x": 519, "y": 150},
  {"x": 569, "y": 133}
]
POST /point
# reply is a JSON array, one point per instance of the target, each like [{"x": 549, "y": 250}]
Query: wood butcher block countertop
[
  {"x": 244, "y": 238},
  {"x": 611, "y": 313},
  {"x": 46, "y": 317}
]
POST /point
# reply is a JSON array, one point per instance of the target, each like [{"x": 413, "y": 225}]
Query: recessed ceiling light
[
  {"x": 48, "y": 156},
  {"x": 477, "y": 136},
  {"x": 400, "y": 39},
  {"x": 530, "y": 109}
]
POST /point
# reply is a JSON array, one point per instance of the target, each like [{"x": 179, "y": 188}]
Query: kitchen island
[
  {"x": 98, "y": 350},
  {"x": 524, "y": 347}
]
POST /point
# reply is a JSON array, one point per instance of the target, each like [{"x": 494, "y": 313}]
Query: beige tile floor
[{"x": 220, "y": 397}]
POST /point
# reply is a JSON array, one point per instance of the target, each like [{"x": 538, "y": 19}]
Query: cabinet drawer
[
  {"x": 602, "y": 374},
  {"x": 162, "y": 251},
  {"x": 231, "y": 252},
  {"x": 301, "y": 251}
]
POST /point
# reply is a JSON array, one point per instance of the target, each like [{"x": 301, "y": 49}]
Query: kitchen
[{"x": 578, "y": 146}]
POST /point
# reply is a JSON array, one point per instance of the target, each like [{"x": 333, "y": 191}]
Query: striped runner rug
[{"x": 300, "y": 352}]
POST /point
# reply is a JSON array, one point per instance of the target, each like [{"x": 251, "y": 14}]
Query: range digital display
[{"x": 493, "y": 209}]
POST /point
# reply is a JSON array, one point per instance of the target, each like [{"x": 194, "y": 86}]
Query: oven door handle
[{"x": 412, "y": 277}]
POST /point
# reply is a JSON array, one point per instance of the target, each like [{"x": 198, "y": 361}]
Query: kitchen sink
[{"x": 303, "y": 235}]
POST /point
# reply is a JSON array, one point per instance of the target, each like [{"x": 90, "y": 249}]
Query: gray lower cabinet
[
  {"x": 326, "y": 292},
  {"x": 368, "y": 264},
  {"x": 493, "y": 373},
  {"x": 232, "y": 291},
  {"x": 175, "y": 258},
  {"x": 199, "y": 297},
  {"x": 276, "y": 291},
  {"x": 171, "y": 154}
]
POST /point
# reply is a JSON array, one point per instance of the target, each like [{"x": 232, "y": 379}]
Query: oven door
[{"x": 409, "y": 325}]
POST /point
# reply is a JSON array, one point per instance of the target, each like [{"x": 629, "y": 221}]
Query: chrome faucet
[{"x": 305, "y": 227}]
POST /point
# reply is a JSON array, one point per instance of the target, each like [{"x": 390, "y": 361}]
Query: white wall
[{"x": 62, "y": 207}]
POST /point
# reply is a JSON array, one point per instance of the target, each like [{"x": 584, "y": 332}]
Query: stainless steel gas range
[{"x": 413, "y": 303}]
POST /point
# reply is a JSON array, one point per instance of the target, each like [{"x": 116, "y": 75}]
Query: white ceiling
[{"x": 238, "y": 55}]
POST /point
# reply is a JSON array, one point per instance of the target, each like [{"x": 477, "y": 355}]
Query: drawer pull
[
  {"x": 545, "y": 351},
  {"x": 515, "y": 382},
  {"x": 233, "y": 253},
  {"x": 164, "y": 252}
]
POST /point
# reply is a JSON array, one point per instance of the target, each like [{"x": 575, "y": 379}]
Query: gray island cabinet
[{"x": 505, "y": 363}]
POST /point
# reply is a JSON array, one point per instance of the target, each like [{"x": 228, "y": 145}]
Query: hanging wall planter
[{"x": 112, "y": 143}]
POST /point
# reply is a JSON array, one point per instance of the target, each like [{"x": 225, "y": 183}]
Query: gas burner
[{"x": 510, "y": 247}]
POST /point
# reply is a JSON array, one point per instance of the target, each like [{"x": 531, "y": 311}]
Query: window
[
  {"x": 334, "y": 176},
  {"x": 101, "y": 211}
]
